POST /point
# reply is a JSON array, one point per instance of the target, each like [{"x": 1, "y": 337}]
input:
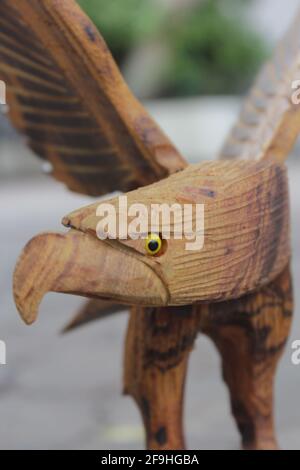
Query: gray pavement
[{"x": 64, "y": 392}]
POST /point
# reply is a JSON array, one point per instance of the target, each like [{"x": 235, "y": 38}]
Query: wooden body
[
  {"x": 67, "y": 97},
  {"x": 250, "y": 334}
]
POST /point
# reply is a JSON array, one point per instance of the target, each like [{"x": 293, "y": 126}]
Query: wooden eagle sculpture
[{"x": 67, "y": 97}]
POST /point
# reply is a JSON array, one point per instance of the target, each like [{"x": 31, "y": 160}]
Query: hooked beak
[{"x": 78, "y": 263}]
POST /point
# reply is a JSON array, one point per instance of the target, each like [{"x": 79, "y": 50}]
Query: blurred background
[{"x": 190, "y": 61}]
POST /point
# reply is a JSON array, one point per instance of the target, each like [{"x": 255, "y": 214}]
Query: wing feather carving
[
  {"x": 66, "y": 95},
  {"x": 269, "y": 122}
]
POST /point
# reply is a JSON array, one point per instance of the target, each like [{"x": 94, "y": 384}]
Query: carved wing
[
  {"x": 94, "y": 309},
  {"x": 269, "y": 122},
  {"x": 67, "y": 96}
]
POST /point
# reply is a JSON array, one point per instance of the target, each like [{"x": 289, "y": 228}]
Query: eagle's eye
[{"x": 153, "y": 244}]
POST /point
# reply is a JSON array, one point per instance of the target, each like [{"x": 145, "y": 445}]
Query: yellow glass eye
[{"x": 153, "y": 244}]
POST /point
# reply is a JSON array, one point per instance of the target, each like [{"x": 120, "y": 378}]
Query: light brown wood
[
  {"x": 158, "y": 345},
  {"x": 67, "y": 96},
  {"x": 77, "y": 263},
  {"x": 246, "y": 244},
  {"x": 250, "y": 334},
  {"x": 246, "y": 234}
]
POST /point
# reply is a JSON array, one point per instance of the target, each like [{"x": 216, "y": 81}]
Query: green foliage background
[{"x": 211, "y": 49}]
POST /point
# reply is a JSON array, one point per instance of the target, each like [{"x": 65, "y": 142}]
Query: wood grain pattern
[
  {"x": 269, "y": 123},
  {"x": 68, "y": 98},
  {"x": 246, "y": 240},
  {"x": 158, "y": 345},
  {"x": 246, "y": 244},
  {"x": 79, "y": 264},
  {"x": 66, "y": 95},
  {"x": 250, "y": 334}
]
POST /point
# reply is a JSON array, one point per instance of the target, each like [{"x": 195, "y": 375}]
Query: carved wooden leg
[
  {"x": 250, "y": 334},
  {"x": 157, "y": 349}
]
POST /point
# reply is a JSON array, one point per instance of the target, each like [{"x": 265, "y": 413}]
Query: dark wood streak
[
  {"x": 10, "y": 15},
  {"x": 20, "y": 38},
  {"x": 277, "y": 223},
  {"x": 250, "y": 333},
  {"x": 170, "y": 358},
  {"x": 207, "y": 192},
  {"x": 157, "y": 385},
  {"x": 46, "y": 90},
  {"x": 59, "y": 121},
  {"x": 24, "y": 52},
  {"x": 160, "y": 325},
  {"x": 107, "y": 159},
  {"x": 34, "y": 70},
  {"x": 161, "y": 436},
  {"x": 90, "y": 31},
  {"x": 43, "y": 104},
  {"x": 244, "y": 421},
  {"x": 89, "y": 138}
]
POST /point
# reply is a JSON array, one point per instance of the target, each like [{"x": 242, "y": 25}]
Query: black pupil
[{"x": 153, "y": 245}]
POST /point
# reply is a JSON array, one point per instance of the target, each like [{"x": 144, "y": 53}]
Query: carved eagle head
[{"x": 245, "y": 242}]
